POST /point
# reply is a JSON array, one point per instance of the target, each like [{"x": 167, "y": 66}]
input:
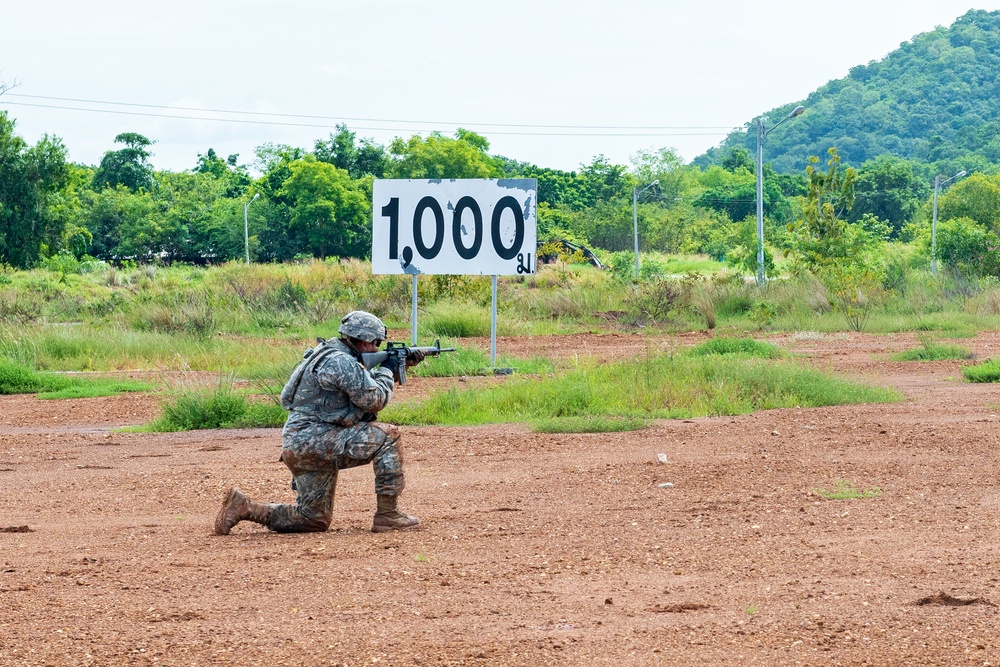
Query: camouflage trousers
[{"x": 315, "y": 451}]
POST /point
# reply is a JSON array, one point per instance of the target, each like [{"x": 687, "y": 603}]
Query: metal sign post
[
  {"x": 413, "y": 310},
  {"x": 493, "y": 325}
]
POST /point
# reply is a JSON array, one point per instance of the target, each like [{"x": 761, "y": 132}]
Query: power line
[{"x": 650, "y": 130}]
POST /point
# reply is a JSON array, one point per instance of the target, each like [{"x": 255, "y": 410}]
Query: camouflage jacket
[{"x": 333, "y": 386}]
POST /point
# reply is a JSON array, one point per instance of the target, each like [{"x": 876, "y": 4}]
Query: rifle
[{"x": 400, "y": 351}]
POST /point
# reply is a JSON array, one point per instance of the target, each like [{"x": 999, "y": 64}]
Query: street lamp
[
  {"x": 246, "y": 227},
  {"x": 761, "y": 133},
  {"x": 635, "y": 221},
  {"x": 937, "y": 186}
]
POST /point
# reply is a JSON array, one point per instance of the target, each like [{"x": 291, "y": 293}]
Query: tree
[
  {"x": 122, "y": 223},
  {"x": 891, "y": 189},
  {"x": 438, "y": 156},
  {"x": 967, "y": 248},
  {"x": 556, "y": 187},
  {"x": 667, "y": 167},
  {"x": 275, "y": 160},
  {"x": 127, "y": 166},
  {"x": 739, "y": 158},
  {"x": 235, "y": 179},
  {"x": 195, "y": 220},
  {"x": 343, "y": 152},
  {"x": 330, "y": 211},
  {"x": 821, "y": 232},
  {"x": 977, "y": 197},
  {"x": 30, "y": 180},
  {"x": 67, "y": 206},
  {"x": 604, "y": 181},
  {"x": 735, "y": 193}
]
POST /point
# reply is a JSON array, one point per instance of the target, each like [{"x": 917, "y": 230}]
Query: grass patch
[
  {"x": 221, "y": 406},
  {"x": 17, "y": 378},
  {"x": 95, "y": 387},
  {"x": 930, "y": 350},
  {"x": 456, "y": 320},
  {"x": 747, "y": 347},
  {"x": 988, "y": 371},
  {"x": 658, "y": 387},
  {"x": 845, "y": 490},
  {"x": 589, "y": 425},
  {"x": 116, "y": 348}
]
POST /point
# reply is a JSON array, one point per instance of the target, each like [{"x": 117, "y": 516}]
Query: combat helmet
[{"x": 363, "y": 326}]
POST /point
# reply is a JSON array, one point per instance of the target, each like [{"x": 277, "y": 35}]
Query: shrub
[
  {"x": 929, "y": 350},
  {"x": 655, "y": 300},
  {"x": 968, "y": 248},
  {"x": 20, "y": 307},
  {"x": 18, "y": 379},
  {"x": 988, "y": 371}
]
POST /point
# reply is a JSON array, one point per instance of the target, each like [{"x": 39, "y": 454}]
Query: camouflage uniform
[
  {"x": 332, "y": 427},
  {"x": 333, "y": 400}
]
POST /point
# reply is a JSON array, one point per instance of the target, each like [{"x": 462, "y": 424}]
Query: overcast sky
[{"x": 526, "y": 74}]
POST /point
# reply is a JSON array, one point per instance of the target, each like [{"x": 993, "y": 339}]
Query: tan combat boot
[
  {"x": 387, "y": 517},
  {"x": 235, "y": 508}
]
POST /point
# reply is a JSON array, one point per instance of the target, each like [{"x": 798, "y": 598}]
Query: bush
[
  {"x": 219, "y": 407},
  {"x": 929, "y": 350},
  {"x": 63, "y": 263},
  {"x": 655, "y": 300},
  {"x": 988, "y": 371},
  {"x": 18, "y": 379},
  {"x": 967, "y": 248},
  {"x": 20, "y": 307}
]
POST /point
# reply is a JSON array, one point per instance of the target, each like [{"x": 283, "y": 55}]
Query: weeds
[
  {"x": 16, "y": 378},
  {"x": 221, "y": 406},
  {"x": 747, "y": 347},
  {"x": 988, "y": 371},
  {"x": 589, "y": 425},
  {"x": 845, "y": 490},
  {"x": 930, "y": 350}
]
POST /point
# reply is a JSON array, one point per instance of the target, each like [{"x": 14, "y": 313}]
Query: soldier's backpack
[{"x": 310, "y": 360}]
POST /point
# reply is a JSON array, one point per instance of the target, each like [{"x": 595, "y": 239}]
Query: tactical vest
[{"x": 303, "y": 393}]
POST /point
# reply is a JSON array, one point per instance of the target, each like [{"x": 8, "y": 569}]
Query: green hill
[{"x": 935, "y": 99}]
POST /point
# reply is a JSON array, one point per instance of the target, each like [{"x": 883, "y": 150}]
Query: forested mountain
[{"x": 935, "y": 99}]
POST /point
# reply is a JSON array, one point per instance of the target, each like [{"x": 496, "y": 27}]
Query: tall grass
[
  {"x": 221, "y": 406},
  {"x": 235, "y": 316},
  {"x": 988, "y": 371},
  {"x": 747, "y": 347},
  {"x": 930, "y": 350},
  {"x": 87, "y": 347},
  {"x": 16, "y": 378}
]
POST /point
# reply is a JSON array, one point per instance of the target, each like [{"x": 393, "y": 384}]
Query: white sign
[{"x": 457, "y": 227}]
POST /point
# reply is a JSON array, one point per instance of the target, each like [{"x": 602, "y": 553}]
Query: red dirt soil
[{"x": 534, "y": 549}]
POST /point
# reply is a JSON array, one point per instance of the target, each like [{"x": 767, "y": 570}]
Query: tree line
[{"x": 317, "y": 203}]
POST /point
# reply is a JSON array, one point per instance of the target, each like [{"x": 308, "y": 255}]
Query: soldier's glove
[
  {"x": 414, "y": 357},
  {"x": 392, "y": 365}
]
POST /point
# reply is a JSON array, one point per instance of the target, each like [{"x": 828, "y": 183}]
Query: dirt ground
[{"x": 534, "y": 549}]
